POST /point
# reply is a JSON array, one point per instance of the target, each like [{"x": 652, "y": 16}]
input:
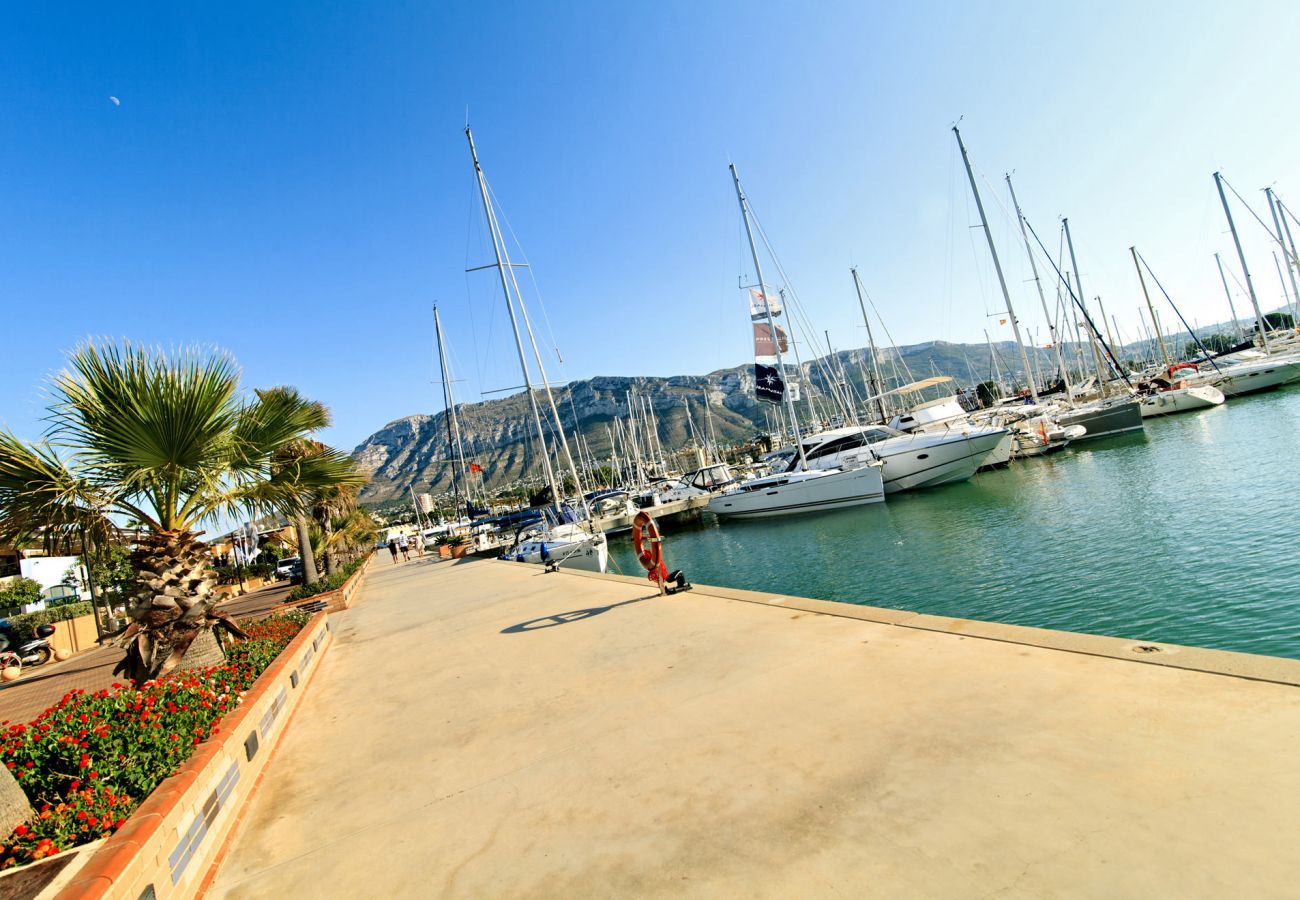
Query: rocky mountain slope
[{"x": 413, "y": 452}]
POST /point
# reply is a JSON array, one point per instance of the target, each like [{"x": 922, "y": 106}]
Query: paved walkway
[
  {"x": 483, "y": 729},
  {"x": 40, "y": 688}
]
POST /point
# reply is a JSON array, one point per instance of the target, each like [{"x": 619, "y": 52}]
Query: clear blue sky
[{"x": 289, "y": 181}]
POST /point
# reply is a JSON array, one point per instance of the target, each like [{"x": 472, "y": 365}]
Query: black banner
[{"x": 768, "y": 384}]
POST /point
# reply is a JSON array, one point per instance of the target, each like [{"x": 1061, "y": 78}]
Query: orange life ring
[{"x": 649, "y": 547}]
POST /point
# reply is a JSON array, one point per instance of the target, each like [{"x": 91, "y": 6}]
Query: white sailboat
[
  {"x": 558, "y": 540},
  {"x": 803, "y": 489}
]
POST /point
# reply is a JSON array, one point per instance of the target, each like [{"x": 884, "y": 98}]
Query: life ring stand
[{"x": 648, "y": 545}]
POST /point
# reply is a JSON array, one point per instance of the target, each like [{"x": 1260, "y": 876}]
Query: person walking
[
  {"x": 392, "y": 548},
  {"x": 417, "y": 544},
  {"x": 404, "y": 546}
]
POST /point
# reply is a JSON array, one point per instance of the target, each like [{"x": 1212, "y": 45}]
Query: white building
[{"x": 426, "y": 502}]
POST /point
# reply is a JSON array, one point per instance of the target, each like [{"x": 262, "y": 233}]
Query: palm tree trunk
[
  {"x": 309, "y": 574},
  {"x": 327, "y": 531}
]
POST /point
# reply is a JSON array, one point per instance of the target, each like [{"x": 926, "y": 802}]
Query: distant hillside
[{"x": 413, "y": 452}]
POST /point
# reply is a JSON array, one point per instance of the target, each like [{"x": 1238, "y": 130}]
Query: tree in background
[
  {"x": 1279, "y": 321},
  {"x": 169, "y": 442},
  {"x": 19, "y": 592},
  {"x": 988, "y": 392}
]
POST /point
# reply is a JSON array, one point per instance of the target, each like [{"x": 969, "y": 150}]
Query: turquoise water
[{"x": 1186, "y": 534}]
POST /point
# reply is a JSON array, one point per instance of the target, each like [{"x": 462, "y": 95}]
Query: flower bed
[{"x": 88, "y": 761}]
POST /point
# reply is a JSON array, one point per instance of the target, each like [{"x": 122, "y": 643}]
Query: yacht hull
[
  {"x": 1250, "y": 378},
  {"x": 953, "y": 460},
  {"x": 586, "y": 552},
  {"x": 1103, "y": 420},
  {"x": 1001, "y": 455},
  {"x": 836, "y": 490},
  {"x": 1167, "y": 403}
]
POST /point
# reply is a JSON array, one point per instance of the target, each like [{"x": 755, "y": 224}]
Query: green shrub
[
  {"x": 328, "y": 583},
  {"x": 24, "y": 625},
  {"x": 19, "y": 591}
]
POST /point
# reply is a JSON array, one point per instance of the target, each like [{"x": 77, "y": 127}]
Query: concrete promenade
[{"x": 484, "y": 729}]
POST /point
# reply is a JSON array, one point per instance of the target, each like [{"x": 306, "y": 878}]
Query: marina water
[{"x": 1184, "y": 534}]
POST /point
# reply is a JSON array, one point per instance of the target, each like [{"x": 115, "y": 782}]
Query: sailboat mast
[
  {"x": 877, "y": 389},
  {"x": 713, "y": 437},
  {"x": 1241, "y": 255},
  {"x": 1286, "y": 226},
  {"x": 497, "y": 249},
  {"x": 453, "y": 424},
  {"x": 1287, "y": 254},
  {"x": 1038, "y": 283},
  {"x": 1142, "y": 281},
  {"x": 1093, "y": 335},
  {"x": 1236, "y": 323},
  {"x": 771, "y": 322},
  {"x": 997, "y": 266}
]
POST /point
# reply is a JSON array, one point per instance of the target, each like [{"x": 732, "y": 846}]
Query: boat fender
[{"x": 648, "y": 545}]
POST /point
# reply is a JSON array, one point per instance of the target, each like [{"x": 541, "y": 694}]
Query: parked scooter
[{"x": 26, "y": 653}]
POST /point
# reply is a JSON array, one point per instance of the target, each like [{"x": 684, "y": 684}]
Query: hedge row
[
  {"x": 328, "y": 583},
  {"x": 24, "y": 624}
]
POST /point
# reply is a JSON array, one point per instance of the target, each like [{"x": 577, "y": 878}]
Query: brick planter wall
[
  {"x": 336, "y": 600},
  {"x": 168, "y": 844}
]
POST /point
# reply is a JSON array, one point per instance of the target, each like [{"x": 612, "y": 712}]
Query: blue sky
[{"x": 290, "y": 181}]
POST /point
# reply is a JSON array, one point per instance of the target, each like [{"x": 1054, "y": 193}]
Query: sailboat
[
  {"x": 1166, "y": 393},
  {"x": 563, "y": 536},
  {"x": 801, "y": 489}
]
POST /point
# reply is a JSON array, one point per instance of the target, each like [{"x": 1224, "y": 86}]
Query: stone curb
[{"x": 1252, "y": 666}]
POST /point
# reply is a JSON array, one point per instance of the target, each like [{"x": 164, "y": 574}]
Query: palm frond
[
  {"x": 157, "y": 427},
  {"x": 40, "y": 496}
]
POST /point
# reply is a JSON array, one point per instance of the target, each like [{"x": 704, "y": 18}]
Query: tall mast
[
  {"x": 1241, "y": 255},
  {"x": 805, "y": 376},
  {"x": 1286, "y": 298},
  {"x": 997, "y": 266},
  {"x": 771, "y": 322},
  {"x": 1236, "y": 323},
  {"x": 453, "y": 423},
  {"x": 1142, "y": 281},
  {"x": 613, "y": 457},
  {"x": 497, "y": 250},
  {"x": 708, "y": 421},
  {"x": 1092, "y": 335},
  {"x": 1290, "y": 259},
  {"x": 878, "y": 388},
  {"x": 1282, "y": 211},
  {"x": 546, "y": 388},
  {"x": 1038, "y": 283}
]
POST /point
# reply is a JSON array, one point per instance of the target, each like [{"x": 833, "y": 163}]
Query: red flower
[{"x": 20, "y": 830}]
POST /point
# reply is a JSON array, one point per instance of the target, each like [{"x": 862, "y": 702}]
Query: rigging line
[
  {"x": 797, "y": 307},
  {"x": 1272, "y": 236},
  {"x": 470, "y": 222},
  {"x": 1101, "y": 340},
  {"x": 537, "y": 291},
  {"x": 1190, "y": 329}
]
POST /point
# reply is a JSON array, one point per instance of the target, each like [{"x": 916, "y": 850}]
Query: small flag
[
  {"x": 1002, "y": 321},
  {"x": 760, "y": 304},
  {"x": 475, "y": 469},
  {"x": 768, "y": 384},
  {"x": 763, "y": 344}
]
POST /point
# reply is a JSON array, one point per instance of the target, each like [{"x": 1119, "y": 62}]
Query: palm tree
[{"x": 169, "y": 442}]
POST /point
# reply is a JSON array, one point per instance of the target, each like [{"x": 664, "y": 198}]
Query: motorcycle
[{"x": 28, "y": 653}]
